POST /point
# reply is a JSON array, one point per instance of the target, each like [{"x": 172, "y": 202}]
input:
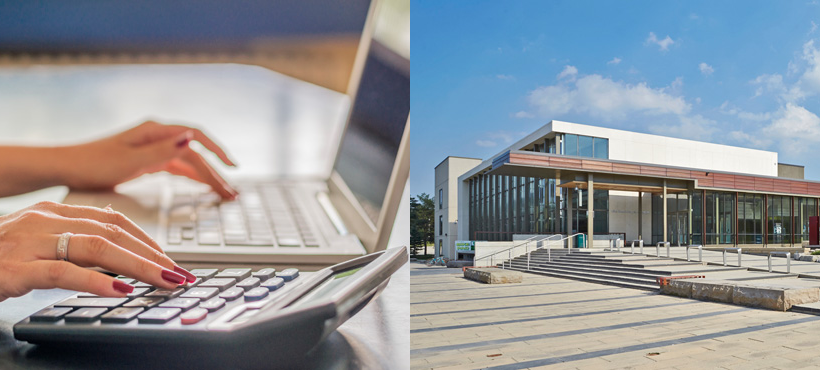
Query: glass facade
[
  {"x": 750, "y": 218},
  {"x": 585, "y": 146},
  {"x": 779, "y": 220}
]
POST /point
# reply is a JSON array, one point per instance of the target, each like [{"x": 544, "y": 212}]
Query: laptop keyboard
[
  {"x": 210, "y": 294},
  {"x": 265, "y": 215}
]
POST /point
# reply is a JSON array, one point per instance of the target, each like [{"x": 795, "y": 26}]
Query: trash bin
[{"x": 581, "y": 241}]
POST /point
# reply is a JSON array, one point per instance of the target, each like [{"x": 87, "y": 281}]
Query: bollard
[
  {"x": 667, "y": 250},
  {"x": 633, "y": 247},
  {"x": 640, "y": 244}
]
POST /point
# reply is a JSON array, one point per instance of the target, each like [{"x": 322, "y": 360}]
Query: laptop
[{"x": 291, "y": 220}]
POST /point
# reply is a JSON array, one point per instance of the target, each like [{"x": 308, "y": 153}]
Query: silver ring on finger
[{"x": 62, "y": 246}]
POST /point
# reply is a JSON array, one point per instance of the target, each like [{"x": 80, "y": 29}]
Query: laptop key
[
  {"x": 144, "y": 302},
  {"x": 256, "y": 294},
  {"x": 248, "y": 283},
  {"x": 158, "y": 315},
  {"x": 236, "y": 273},
  {"x": 213, "y": 304},
  {"x": 265, "y": 273},
  {"x": 85, "y": 314},
  {"x": 193, "y": 316},
  {"x": 232, "y": 294},
  {"x": 51, "y": 314},
  {"x": 183, "y": 303},
  {"x": 288, "y": 274},
  {"x": 121, "y": 315},
  {"x": 91, "y": 302},
  {"x": 200, "y": 293},
  {"x": 166, "y": 293},
  {"x": 273, "y": 283},
  {"x": 288, "y": 242},
  {"x": 219, "y": 283},
  {"x": 204, "y": 273}
]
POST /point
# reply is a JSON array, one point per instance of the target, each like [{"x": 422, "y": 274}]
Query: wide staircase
[{"x": 613, "y": 268}]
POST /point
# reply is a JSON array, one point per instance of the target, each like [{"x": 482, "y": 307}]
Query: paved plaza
[{"x": 547, "y": 322}]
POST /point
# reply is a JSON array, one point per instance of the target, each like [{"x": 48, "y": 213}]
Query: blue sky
[{"x": 484, "y": 74}]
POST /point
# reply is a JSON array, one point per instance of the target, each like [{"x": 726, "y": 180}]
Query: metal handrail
[
  {"x": 549, "y": 250},
  {"x": 658, "y": 249},
  {"x": 640, "y": 244},
  {"x": 529, "y": 254},
  {"x": 700, "y": 252},
  {"x": 509, "y": 250},
  {"x": 788, "y": 260},
  {"x": 739, "y": 253}
]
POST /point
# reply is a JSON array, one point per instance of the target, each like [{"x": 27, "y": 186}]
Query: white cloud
[
  {"x": 726, "y": 108},
  {"x": 604, "y": 98},
  {"x": 810, "y": 80},
  {"x": 694, "y": 16},
  {"x": 772, "y": 83},
  {"x": 505, "y": 77},
  {"x": 614, "y": 60},
  {"x": 749, "y": 140},
  {"x": 569, "y": 71},
  {"x": 663, "y": 44},
  {"x": 486, "y": 143},
  {"x": 813, "y": 27},
  {"x": 523, "y": 114},
  {"x": 705, "y": 69},
  {"x": 795, "y": 128}
]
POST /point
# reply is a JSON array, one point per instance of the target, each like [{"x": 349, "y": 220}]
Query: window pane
[
  {"x": 585, "y": 146},
  {"x": 571, "y": 144},
  {"x": 601, "y": 148}
]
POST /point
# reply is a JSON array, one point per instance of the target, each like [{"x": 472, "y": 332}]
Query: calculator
[{"x": 234, "y": 312}]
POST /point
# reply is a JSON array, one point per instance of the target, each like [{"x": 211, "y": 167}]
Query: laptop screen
[{"x": 375, "y": 126}]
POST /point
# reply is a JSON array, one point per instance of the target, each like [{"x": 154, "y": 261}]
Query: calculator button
[
  {"x": 184, "y": 303},
  {"x": 231, "y": 294},
  {"x": 144, "y": 302},
  {"x": 201, "y": 293},
  {"x": 193, "y": 316},
  {"x": 248, "y": 283},
  {"x": 288, "y": 274},
  {"x": 256, "y": 294},
  {"x": 50, "y": 314},
  {"x": 166, "y": 293},
  {"x": 219, "y": 283},
  {"x": 265, "y": 274},
  {"x": 274, "y": 283},
  {"x": 121, "y": 314},
  {"x": 213, "y": 304},
  {"x": 91, "y": 302},
  {"x": 194, "y": 283},
  {"x": 204, "y": 273},
  {"x": 158, "y": 315},
  {"x": 237, "y": 274},
  {"x": 85, "y": 314}
]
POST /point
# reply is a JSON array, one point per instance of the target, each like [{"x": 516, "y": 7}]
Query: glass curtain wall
[
  {"x": 580, "y": 206},
  {"x": 805, "y": 208},
  {"x": 586, "y": 146},
  {"x": 750, "y": 218},
  {"x": 779, "y": 220},
  {"x": 717, "y": 211}
]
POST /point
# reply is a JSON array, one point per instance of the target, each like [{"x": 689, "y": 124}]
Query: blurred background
[{"x": 76, "y": 71}]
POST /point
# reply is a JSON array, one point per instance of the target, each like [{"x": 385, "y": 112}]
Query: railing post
[
  {"x": 528, "y": 261},
  {"x": 640, "y": 243},
  {"x": 724, "y": 256},
  {"x": 700, "y": 253},
  {"x": 788, "y": 262},
  {"x": 658, "y": 249},
  {"x": 739, "y": 253},
  {"x": 667, "y": 250},
  {"x": 633, "y": 247},
  {"x": 549, "y": 254},
  {"x": 687, "y": 253},
  {"x": 770, "y": 262}
]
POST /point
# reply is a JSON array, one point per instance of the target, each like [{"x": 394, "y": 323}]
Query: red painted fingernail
[
  {"x": 172, "y": 277},
  {"x": 190, "y": 277},
  {"x": 183, "y": 142},
  {"x": 123, "y": 287}
]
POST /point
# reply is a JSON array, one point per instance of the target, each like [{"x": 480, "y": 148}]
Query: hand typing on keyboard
[
  {"x": 47, "y": 245},
  {"x": 102, "y": 164}
]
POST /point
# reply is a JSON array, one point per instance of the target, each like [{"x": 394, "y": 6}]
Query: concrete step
[
  {"x": 622, "y": 268},
  {"x": 592, "y": 279},
  {"x": 647, "y": 280}
]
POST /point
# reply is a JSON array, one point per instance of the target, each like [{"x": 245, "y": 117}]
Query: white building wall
[{"x": 447, "y": 174}]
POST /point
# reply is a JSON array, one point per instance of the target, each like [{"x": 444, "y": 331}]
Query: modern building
[
  {"x": 446, "y": 202},
  {"x": 568, "y": 178}
]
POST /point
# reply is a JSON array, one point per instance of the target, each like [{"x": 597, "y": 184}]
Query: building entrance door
[{"x": 678, "y": 227}]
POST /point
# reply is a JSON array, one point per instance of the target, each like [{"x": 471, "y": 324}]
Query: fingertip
[{"x": 122, "y": 288}]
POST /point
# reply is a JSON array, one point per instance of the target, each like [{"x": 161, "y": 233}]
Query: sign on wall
[{"x": 465, "y": 246}]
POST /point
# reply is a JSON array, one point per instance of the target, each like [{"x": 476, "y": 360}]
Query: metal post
[
  {"x": 724, "y": 257},
  {"x": 687, "y": 254},
  {"x": 770, "y": 262},
  {"x": 640, "y": 243},
  {"x": 658, "y": 250},
  {"x": 739, "y": 253},
  {"x": 788, "y": 263},
  {"x": 667, "y": 250},
  {"x": 633, "y": 247},
  {"x": 700, "y": 253},
  {"x": 528, "y": 261},
  {"x": 549, "y": 254}
]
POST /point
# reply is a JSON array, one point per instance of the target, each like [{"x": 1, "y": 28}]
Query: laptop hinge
[{"x": 331, "y": 213}]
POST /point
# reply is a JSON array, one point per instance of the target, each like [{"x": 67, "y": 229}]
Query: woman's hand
[
  {"x": 102, "y": 238},
  {"x": 147, "y": 148}
]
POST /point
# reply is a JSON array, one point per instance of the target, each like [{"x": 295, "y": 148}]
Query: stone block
[
  {"x": 777, "y": 298},
  {"x": 678, "y": 287},
  {"x": 459, "y": 264},
  {"x": 715, "y": 290},
  {"x": 492, "y": 275},
  {"x": 809, "y": 258}
]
